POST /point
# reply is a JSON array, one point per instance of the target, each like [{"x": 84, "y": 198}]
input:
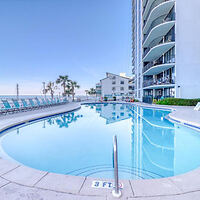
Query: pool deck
[{"x": 18, "y": 182}]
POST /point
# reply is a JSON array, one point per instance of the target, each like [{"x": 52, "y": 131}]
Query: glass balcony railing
[
  {"x": 156, "y": 63},
  {"x": 160, "y": 81},
  {"x": 150, "y": 9},
  {"x": 157, "y": 22},
  {"x": 155, "y": 42}
]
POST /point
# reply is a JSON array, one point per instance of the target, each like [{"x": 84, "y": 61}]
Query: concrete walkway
[{"x": 18, "y": 182}]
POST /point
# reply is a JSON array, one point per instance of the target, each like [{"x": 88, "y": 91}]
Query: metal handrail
[{"x": 116, "y": 192}]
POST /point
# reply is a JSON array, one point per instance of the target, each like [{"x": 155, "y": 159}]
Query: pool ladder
[{"x": 116, "y": 191}]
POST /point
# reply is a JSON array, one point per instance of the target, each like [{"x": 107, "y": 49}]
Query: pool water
[{"x": 80, "y": 143}]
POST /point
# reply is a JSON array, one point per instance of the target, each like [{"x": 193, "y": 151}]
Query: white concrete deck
[{"x": 19, "y": 182}]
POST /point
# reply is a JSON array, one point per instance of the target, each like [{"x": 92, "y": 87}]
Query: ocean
[{"x": 22, "y": 96}]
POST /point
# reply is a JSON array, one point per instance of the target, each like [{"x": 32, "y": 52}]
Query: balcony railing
[
  {"x": 155, "y": 23},
  {"x": 151, "y": 64},
  {"x": 160, "y": 81},
  {"x": 154, "y": 43},
  {"x": 151, "y": 8},
  {"x": 158, "y": 62}
]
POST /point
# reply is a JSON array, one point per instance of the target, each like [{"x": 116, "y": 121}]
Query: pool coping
[{"x": 13, "y": 173}]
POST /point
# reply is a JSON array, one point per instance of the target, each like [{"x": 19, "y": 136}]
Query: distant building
[
  {"x": 98, "y": 89},
  {"x": 115, "y": 86}
]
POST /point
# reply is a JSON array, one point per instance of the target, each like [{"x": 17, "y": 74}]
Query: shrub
[
  {"x": 105, "y": 98},
  {"x": 155, "y": 101},
  {"x": 178, "y": 102},
  {"x": 136, "y": 100}
]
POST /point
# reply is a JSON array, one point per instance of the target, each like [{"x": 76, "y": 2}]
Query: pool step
[{"x": 106, "y": 171}]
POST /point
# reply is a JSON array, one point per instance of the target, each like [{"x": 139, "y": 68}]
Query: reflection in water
[
  {"x": 63, "y": 120},
  {"x": 113, "y": 112},
  {"x": 80, "y": 143},
  {"x": 152, "y": 143},
  {"x": 152, "y": 138}
]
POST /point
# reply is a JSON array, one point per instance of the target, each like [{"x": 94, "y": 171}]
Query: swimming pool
[{"x": 80, "y": 143}]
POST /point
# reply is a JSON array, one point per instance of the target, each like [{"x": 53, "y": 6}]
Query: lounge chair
[
  {"x": 57, "y": 101},
  {"x": 49, "y": 102},
  {"x": 197, "y": 107},
  {"x": 53, "y": 102},
  {"x": 40, "y": 104},
  {"x": 7, "y": 107},
  {"x": 32, "y": 103},
  {"x": 17, "y": 105},
  {"x": 26, "y": 105},
  {"x": 65, "y": 100},
  {"x": 2, "y": 109},
  {"x": 44, "y": 102}
]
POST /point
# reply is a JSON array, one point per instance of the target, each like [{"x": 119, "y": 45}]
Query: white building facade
[
  {"x": 116, "y": 86},
  {"x": 98, "y": 89},
  {"x": 166, "y": 49}
]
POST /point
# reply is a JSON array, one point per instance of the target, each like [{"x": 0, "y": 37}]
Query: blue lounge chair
[
  {"x": 44, "y": 102},
  {"x": 2, "y": 109},
  {"x": 7, "y": 107},
  {"x": 40, "y": 104},
  {"x": 32, "y": 103},
  {"x": 59, "y": 102},
  {"x": 48, "y": 102},
  {"x": 26, "y": 105},
  {"x": 17, "y": 105},
  {"x": 65, "y": 100},
  {"x": 53, "y": 102}
]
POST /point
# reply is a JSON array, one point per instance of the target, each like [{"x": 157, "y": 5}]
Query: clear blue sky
[{"x": 41, "y": 39}]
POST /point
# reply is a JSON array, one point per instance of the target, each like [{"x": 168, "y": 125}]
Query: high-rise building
[{"x": 166, "y": 49}]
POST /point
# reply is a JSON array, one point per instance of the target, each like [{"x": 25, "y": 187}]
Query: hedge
[{"x": 178, "y": 102}]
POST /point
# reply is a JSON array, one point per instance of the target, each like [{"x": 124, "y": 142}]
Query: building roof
[{"x": 115, "y": 75}]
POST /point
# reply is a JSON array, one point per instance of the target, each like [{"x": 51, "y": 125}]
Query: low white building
[{"x": 116, "y": 86}]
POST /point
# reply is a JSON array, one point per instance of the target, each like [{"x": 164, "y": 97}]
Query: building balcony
[
  {"x": 156, "y": 51},
  {"x": 158, "y": 12},
  {"x": 148, "y": 5},
  {"x": 159, "y": 83},
  {"x": 157, "y": 31},
  {"x": 156, "y": 68},
  {"x": 144, "y": 2}
]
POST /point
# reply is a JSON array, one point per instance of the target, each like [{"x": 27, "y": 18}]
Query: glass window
[
  {"x": 114, "y": 82},
  {"x": 122, "y": 88},
  {"x": 113, "y": 88},
  {"x": 122, "y": 82},
  {"x": 122, "y": 114}
]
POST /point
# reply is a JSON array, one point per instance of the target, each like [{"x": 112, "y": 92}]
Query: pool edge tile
[
  {"x": 61, "y": 183},
  {"x": 24, "y": 175},
  {"x": 154, "y": 187}
]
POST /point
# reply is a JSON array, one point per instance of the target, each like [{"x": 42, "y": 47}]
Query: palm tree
[
  {"x": 63, "y": 80},
  {"x": 92, "y": 91},
  {"x": 73, "y": 85},
  {"x": 51, "y": 88},
  {"x": 68, "y": 90}
]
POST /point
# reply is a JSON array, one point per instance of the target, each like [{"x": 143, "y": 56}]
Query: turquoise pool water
[{"x": 80, "y": 143}]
